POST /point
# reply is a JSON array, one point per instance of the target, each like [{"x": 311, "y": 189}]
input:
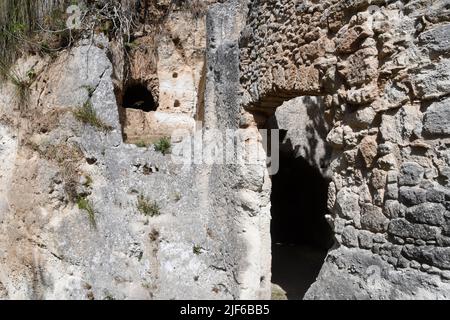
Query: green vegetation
[
  {"x": 90, "y": 90},
  {"x": 163, "y": 145},
  {"x": 197, "y": 249},
  {"x": 141, "y": 144},
  {"x": 176, "y": 196},
  {"x": 148, "y": 207},
  {"x": 21, "y": 29},
  {"x": 84, "y": 204},
  {"x": 87, "y": 115},
  {"x": 88, "y": 182}
]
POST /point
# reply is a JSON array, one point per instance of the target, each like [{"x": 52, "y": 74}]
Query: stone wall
[{"x": 383, "y": 74}]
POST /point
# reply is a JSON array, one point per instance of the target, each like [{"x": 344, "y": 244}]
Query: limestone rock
[
  {"x": 368, "y": 149},
  {"x": 437, "y": 40},
  {"x": 373, "y": 219},
  {"x": 347, "y": 203},
  {"x": 411, "y": 174},
  {"x": 437, "y": 119},
  {"x": 439, "y": 257},
  {"x": 427, "y": 213},
  {"x": 411, "y": 196},
  {"x": 432, "y": 81},
  {"x": 404, "y": 229}
]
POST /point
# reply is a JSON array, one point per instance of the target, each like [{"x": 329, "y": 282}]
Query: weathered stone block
[
  {"x": 435, "y": 256},
  {"x": 336, "y": 137},
  {"x": 434, "y": 195},
  {"x": 411, "y": 196},
  {"x": 347, "y": 203},
  {"x": 350, "y": 40},
  {"x": 411, "y": 174},
  {"x": 368, "y": 149},
  {"x": 365, "y": 239},
  {"x": 436, "y": 40},
  {"x": 429, "y": 213},
  {"x": 437, "y": 119},
  {"x": 388, "y": 162},
  {"x": 391, "y": 191},
  {"x": 393, "y": 209},
  {"x": 373, "y": 219},
  {"x": 433, "y": 80},
  {"x": 378, "y": 178},
  {"x": 405, "y": 229},
  {"x": 350, "y": 237},
  {"x": 392, "y": 176}
]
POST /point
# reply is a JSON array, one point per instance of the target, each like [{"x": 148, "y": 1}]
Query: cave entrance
[
  {"x": 140, "y": 98},
  {"x": 301, "y": 236},
  {"x": 136, "y": 111}
]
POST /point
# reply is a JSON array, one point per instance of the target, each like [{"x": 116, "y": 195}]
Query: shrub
[
  {"x": 87, "y": 115},
  {"x": 163, "y": 145},
  {"x": 148, "y": 207}
]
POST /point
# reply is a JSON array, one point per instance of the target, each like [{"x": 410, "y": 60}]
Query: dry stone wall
[{"x": 382, "y": 69}]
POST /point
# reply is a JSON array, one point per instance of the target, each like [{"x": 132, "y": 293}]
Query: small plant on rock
[
  {"x": 84, "y": 204},
  {"x": 163, "y": 145},
  {"x": 148, "y": 207},
  {"x": 197, "y": 249},
  {"x": 87, "y": 115},
  {"x": 141, "y": 144}
]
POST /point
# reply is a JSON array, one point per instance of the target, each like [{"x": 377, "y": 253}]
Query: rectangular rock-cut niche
[{"x": 142, "y": 122}]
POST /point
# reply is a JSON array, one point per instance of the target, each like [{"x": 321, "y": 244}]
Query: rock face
[{"x": 362, "y": 95}]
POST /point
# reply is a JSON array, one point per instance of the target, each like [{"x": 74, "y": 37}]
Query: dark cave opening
[
  {"x": 301, "y": 236},
  {"x": 140, "y": 98}
]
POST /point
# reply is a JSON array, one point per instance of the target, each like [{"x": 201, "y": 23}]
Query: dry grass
[
  {"x": 87, "y": 115},
  {"x": 148, "y": 207}
]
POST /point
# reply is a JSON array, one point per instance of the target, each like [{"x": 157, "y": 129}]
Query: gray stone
[
  {"x": 393, "y": 209},
  {"x": 411, "y": 196},
  {"x": 435, "y": 256},
  {"x": 373, "y": 219},
  {"x": 435, "y": 195},
  {"x": 365, "y": 239},
  {"x": 428, "y": 213},
  {"x": 405, "y": 229},
  {"x": 347, "y": 203},
  {"x": 350, "y": 237},
  {"x": 437, "y": 119},
  {"x": 433, "y": 80},
  {"x": 392, "y": 176},
  {"x": 436, "y": 40},
  {"x": 411, "y": 173},
  {"x": 391, "y": 191}
]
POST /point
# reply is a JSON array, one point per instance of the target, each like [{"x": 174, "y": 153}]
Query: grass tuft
[
  {"x": 141, "y": 144},
  {"x": 84, "y": 204},
  {"x": 197, "y": 250},
  {"x": 87, "y": 115},
  {"x": 163, "y": 145},
  {"x": 148, "y": 207}
]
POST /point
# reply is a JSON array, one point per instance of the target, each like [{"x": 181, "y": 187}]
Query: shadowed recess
[
  {"x": 140, "y": 98},
  {"x": 301, "y": 236}
]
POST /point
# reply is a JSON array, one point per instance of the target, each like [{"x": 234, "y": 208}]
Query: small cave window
[{"x": 140, "y": 98}]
